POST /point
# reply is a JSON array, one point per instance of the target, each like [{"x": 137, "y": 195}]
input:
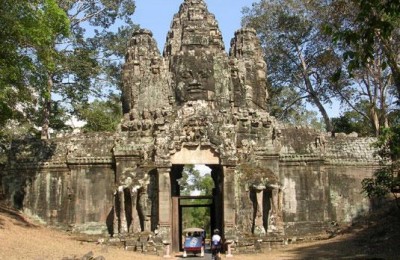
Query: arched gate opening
[{"x": 212, "y": 203}]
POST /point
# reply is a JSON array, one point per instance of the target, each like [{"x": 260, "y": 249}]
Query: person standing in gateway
[{"x": 216, "y": 245}]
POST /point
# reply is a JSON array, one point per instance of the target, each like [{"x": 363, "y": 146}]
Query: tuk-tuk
[{"x": 193, "y": 241}]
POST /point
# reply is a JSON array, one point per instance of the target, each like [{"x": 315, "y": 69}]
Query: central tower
[
  {"x": 198, "y": 104},
  {"x": 194, "y": 66}
]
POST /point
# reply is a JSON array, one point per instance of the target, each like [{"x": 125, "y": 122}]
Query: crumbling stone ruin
[{"x": 194, "y": 104}]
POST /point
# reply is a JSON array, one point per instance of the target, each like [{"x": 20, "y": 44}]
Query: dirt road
[{"x": 21, "y": 239}]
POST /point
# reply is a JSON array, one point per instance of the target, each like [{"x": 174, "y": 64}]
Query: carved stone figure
[
  {"x": 135, "y": 122},
  {"x": 194, "y": 77},
  {"x": 131, "y": 204},
  {"x": 147, "y": 123},
  {"x": 258, "y": 221},
  {"x": 275, "y": 220},
  {"x": 131, "y": 121}
]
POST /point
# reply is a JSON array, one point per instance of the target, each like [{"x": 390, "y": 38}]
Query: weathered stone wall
[
  {"x": 66, "y": 182},
  {"x": 80, "y": 199},
  {"x": 70, "y": 181},
  {"x": 351, "y": 150},
  {"x": 321, "y": 177},
  {"x": 302, "y": 143},
  {"x": 315, "y": 195}
]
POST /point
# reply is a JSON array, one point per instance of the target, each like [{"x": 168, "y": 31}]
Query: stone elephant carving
[{"x": 132, "y": 207}]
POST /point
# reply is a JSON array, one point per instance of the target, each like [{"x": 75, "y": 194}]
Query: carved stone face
[
  {"x": 126, "y": 179},
  {"x": 194, "y": 77}
]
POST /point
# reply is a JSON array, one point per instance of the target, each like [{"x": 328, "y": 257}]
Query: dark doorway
[{"x": 185, "y": 206}]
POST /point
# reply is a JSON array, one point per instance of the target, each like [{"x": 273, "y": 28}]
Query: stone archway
[{"x": 197, "y": 155}]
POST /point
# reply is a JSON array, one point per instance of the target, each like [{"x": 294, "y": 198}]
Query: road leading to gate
[{"x": 207, "y": 255}]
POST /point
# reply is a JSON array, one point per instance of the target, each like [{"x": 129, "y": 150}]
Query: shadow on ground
[
  {"x": 376, "y": 236},
  {"x": 15, "y": 215}
]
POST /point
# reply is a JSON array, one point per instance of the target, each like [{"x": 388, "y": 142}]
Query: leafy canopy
[
  {"x": 102, "y": 115},
  {"x": 28, "y": 30},
  {"x": 369, "y": 23},
  {"x": 59, "y": 54},
  {"x": 386, "y": 180}
]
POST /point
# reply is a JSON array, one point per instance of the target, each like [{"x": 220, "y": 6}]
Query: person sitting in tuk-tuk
[{"x": 193, "y": 243}]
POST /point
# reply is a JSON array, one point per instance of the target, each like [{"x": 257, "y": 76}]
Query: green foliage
[
  {"x": 366, "y": 54},
  {"x": 288, "y": 106},
  {"x": 185, "y": 181},
  {"x": 386, "y": 179},
  {"x": 389, "y": 144},
  {"x": 62, "y": 52},
  {"x": 92, "y": 57},
  {"x": 365, "y": 25},
  {"x": 196, "y": 217},
  {"x": 394, "y": 117},
  {"x": 372, "y": 17},
  {"x": 193, "y": 181},
  {"x": 28, "y": 30},
  {"x": 53, "y": 24},
  {"x": 102, "y": 115},
  {"x": 352, "y": 121},
  {"x": 58, "y": 117},
  {"x": 319, "y": 52}
]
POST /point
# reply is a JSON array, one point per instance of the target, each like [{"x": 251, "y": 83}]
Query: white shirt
[{"x": 216, "y": 239}]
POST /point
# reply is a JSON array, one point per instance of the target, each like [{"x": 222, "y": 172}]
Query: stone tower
[
  {"x": 196, "y": 104},
  {"x": 194, "y": 66}
]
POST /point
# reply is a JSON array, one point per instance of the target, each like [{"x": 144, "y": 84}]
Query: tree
[
  {"x": 371, "y": 23},
  {"x": 288, "y": 107},
  {"x": 370, "y": 79},
  {"x": 86, "y": 62},
  {"x": 369, "y": 95},
  {"x": 351, "y": 121},
  {"x": 298, "y": 54},
  {"x": 194, "y": 181},
  {"x": 59, "y": 54},
  {"x": 102, "y": 115},
  {"x": 29, "y": 30},
  {"x": 93, "y": 55},
  {"x": 386, "y": 180},
  {"x": 89, "y": 61}
]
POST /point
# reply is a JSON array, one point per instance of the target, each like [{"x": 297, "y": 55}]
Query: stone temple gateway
[{"x": 194, "y": 104}]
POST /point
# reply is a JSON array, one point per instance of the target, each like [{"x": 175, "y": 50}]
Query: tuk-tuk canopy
[{"x": 193, "y": 229}]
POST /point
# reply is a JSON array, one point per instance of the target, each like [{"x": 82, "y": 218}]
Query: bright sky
[{"x": 156, "y": 16}]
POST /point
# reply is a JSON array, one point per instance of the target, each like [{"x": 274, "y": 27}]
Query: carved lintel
[{"x": 229, "y": 161}]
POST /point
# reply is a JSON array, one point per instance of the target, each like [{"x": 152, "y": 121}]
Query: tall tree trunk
[
  {"x": 313, "y": 95},
  {"x": 321, "y": 108},
  {"x": 373, "y": 115},
  {"x": 46, "y": 109},
  {"x": 373, "y": 84},
  {"x": 391, "y": 56}
]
